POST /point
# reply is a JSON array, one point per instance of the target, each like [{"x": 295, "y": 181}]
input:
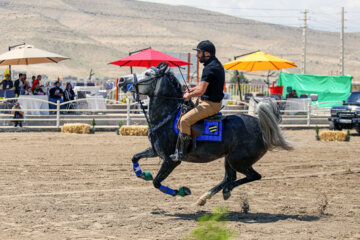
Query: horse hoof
[
  {"x": 201, "y": 202},
  {"x": 184, "y": 191},
  {"x": 226, "y": 195},
  {"x": 148, "y": 176}
]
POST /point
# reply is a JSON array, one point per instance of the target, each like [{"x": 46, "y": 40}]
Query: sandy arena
[{"x": 67, "y": 186}]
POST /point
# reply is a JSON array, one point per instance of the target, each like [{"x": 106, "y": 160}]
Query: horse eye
[{"x": 121, "y": 80}]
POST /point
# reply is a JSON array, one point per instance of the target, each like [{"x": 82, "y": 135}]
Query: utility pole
[
  {"x": 341, "y": 70},
  {"x": 304, "y": 41}
]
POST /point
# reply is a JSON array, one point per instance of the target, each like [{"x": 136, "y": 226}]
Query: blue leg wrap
[
  {"x": 137, "y": 169},
  {"x": 167, "y": 190}
]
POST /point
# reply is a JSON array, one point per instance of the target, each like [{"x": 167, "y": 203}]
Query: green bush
[{"x": 212, "y": 227}]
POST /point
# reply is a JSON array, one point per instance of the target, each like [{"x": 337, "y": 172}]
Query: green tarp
[{"x": 328, "y": 88}]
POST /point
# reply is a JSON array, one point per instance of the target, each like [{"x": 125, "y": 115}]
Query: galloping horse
[{"x": 245, "y": 138}]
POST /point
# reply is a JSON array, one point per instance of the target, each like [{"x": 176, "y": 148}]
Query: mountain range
[{"x": 93, "y": 33}]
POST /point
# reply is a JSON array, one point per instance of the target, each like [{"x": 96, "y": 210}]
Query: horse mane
[{"x": 172, "y": 84}]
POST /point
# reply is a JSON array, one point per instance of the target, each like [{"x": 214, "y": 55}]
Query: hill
[{"x": 93, "y": 33}]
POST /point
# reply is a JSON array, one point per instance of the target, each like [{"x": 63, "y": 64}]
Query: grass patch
[{"x": 212, "y": 227}]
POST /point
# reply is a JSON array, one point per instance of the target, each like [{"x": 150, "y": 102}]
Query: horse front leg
[
  {"x": 147, "y": 153},
  {"x": 166, "y": 168}
]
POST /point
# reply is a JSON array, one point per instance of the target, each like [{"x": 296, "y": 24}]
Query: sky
[{"x": 322, "y": 15}]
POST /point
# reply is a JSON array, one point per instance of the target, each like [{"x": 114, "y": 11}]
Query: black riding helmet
[{"x": 206, "y": 46}]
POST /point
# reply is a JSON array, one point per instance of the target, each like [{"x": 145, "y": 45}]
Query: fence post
[
  {"x": 309, "y": 114},
  {"x": 58, "y": 113},
  {"x": 128, "y": 111}
]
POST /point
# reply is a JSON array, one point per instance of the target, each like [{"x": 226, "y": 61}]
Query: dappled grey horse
[{"x": 245, "y": 138}]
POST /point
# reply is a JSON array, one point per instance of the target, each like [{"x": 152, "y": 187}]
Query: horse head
[{"x": 146, "y": 82}]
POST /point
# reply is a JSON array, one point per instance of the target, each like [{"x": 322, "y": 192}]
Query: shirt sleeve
[{"x": 207, "y": 75}]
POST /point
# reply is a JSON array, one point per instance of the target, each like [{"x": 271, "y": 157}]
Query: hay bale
[
  {"x": 76, "y": 128},
  {"x": 332, "y": 136},
  {"x": 134, "y": 130}
]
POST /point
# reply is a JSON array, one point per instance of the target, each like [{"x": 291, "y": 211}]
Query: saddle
[
  {"x": 208, "y": 129},
  {"x": 198, "y": 128}
]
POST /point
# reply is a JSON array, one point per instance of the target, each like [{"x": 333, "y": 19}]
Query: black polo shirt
[{"x": 214, "y": 74}]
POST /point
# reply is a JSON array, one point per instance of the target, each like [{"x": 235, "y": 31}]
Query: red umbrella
[{"x": 147, "y": 58}]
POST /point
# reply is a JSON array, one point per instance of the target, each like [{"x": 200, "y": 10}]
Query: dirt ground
[{"x": 68, "y": 186}]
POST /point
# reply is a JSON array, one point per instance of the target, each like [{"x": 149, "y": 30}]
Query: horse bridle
[{"x": 151, "y": 80}]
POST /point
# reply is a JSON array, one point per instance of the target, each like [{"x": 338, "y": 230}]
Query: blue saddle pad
[{"x": 212, "y": 132}]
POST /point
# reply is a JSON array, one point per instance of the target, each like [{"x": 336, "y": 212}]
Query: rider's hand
[{"x": 186, "y": 95}]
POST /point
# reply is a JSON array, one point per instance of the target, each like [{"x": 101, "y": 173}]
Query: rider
[{"x": 210, "y": 92}]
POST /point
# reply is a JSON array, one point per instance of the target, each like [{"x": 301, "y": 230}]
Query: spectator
[
  {"x": 37, "y": 80},
  {"x": 69, "y": 95},
  {"x": 20, "y": 84},
  {"x": 292, "y": 94},
  {"x": 56, "y": 94},
  {"x": 7, "y": 84},
  {"x": 25, "y": 81},
  {"x": 38, "y": 90},
  {"x": 33, "y": 78},
  {"x": 28, "y": 91},
  {"x": 18, "y": 114}
]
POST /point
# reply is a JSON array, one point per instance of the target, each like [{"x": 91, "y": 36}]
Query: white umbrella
[{"x": 27, "y": 54}]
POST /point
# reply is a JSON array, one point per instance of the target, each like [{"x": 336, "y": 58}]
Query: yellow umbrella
[{"x": 258, "y": 61}]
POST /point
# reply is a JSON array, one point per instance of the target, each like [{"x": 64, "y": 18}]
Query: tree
[{"x": 234, "y": 77}]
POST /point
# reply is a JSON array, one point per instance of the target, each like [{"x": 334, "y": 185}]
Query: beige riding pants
[{"x": 203, "y": 110}]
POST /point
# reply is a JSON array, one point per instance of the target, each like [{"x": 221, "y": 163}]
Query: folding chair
[
  {"x": 247, "y": 96},
  {"x": 79, "y": 84}
]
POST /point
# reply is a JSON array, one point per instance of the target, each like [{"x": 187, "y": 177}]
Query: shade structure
[
  {"x": 259, "y": 61},
  {"x": 149, "y": 58},
  {"x": 26, "y": 55}
]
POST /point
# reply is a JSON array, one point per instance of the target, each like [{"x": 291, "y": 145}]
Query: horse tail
[{"x": 269, "y": 116}]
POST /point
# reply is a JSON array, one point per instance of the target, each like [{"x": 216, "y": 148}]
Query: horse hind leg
[
  {"x": 251, "y": 175},
  {"x": 230, "y": 176}
]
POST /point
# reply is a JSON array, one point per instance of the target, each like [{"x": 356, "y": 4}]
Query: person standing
[
  {"x": 20, "y": 84},
  {"x": 7, "y": 84},
  {"x": 37, "y": 80}
]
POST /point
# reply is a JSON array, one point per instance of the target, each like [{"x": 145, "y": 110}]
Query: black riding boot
[{"x": 182, "y": 147}]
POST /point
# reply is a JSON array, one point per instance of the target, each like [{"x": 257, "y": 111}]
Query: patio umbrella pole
[
  {"x": 131, "y": 53},
  {"x": 11, "y": 47}
]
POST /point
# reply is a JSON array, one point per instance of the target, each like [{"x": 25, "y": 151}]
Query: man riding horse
[{"x": 210, "y": 92}]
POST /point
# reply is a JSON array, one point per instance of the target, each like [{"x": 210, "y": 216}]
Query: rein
[{"x": 152, "y": 129}]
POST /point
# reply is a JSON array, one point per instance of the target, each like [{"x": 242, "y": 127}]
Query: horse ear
[{"x": 163, "y": 66}]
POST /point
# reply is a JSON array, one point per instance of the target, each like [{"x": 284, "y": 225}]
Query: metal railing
[{"x": 130, "y": 113}]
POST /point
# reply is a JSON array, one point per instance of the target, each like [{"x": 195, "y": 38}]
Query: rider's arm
[{"x": 197, "y": 91}]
